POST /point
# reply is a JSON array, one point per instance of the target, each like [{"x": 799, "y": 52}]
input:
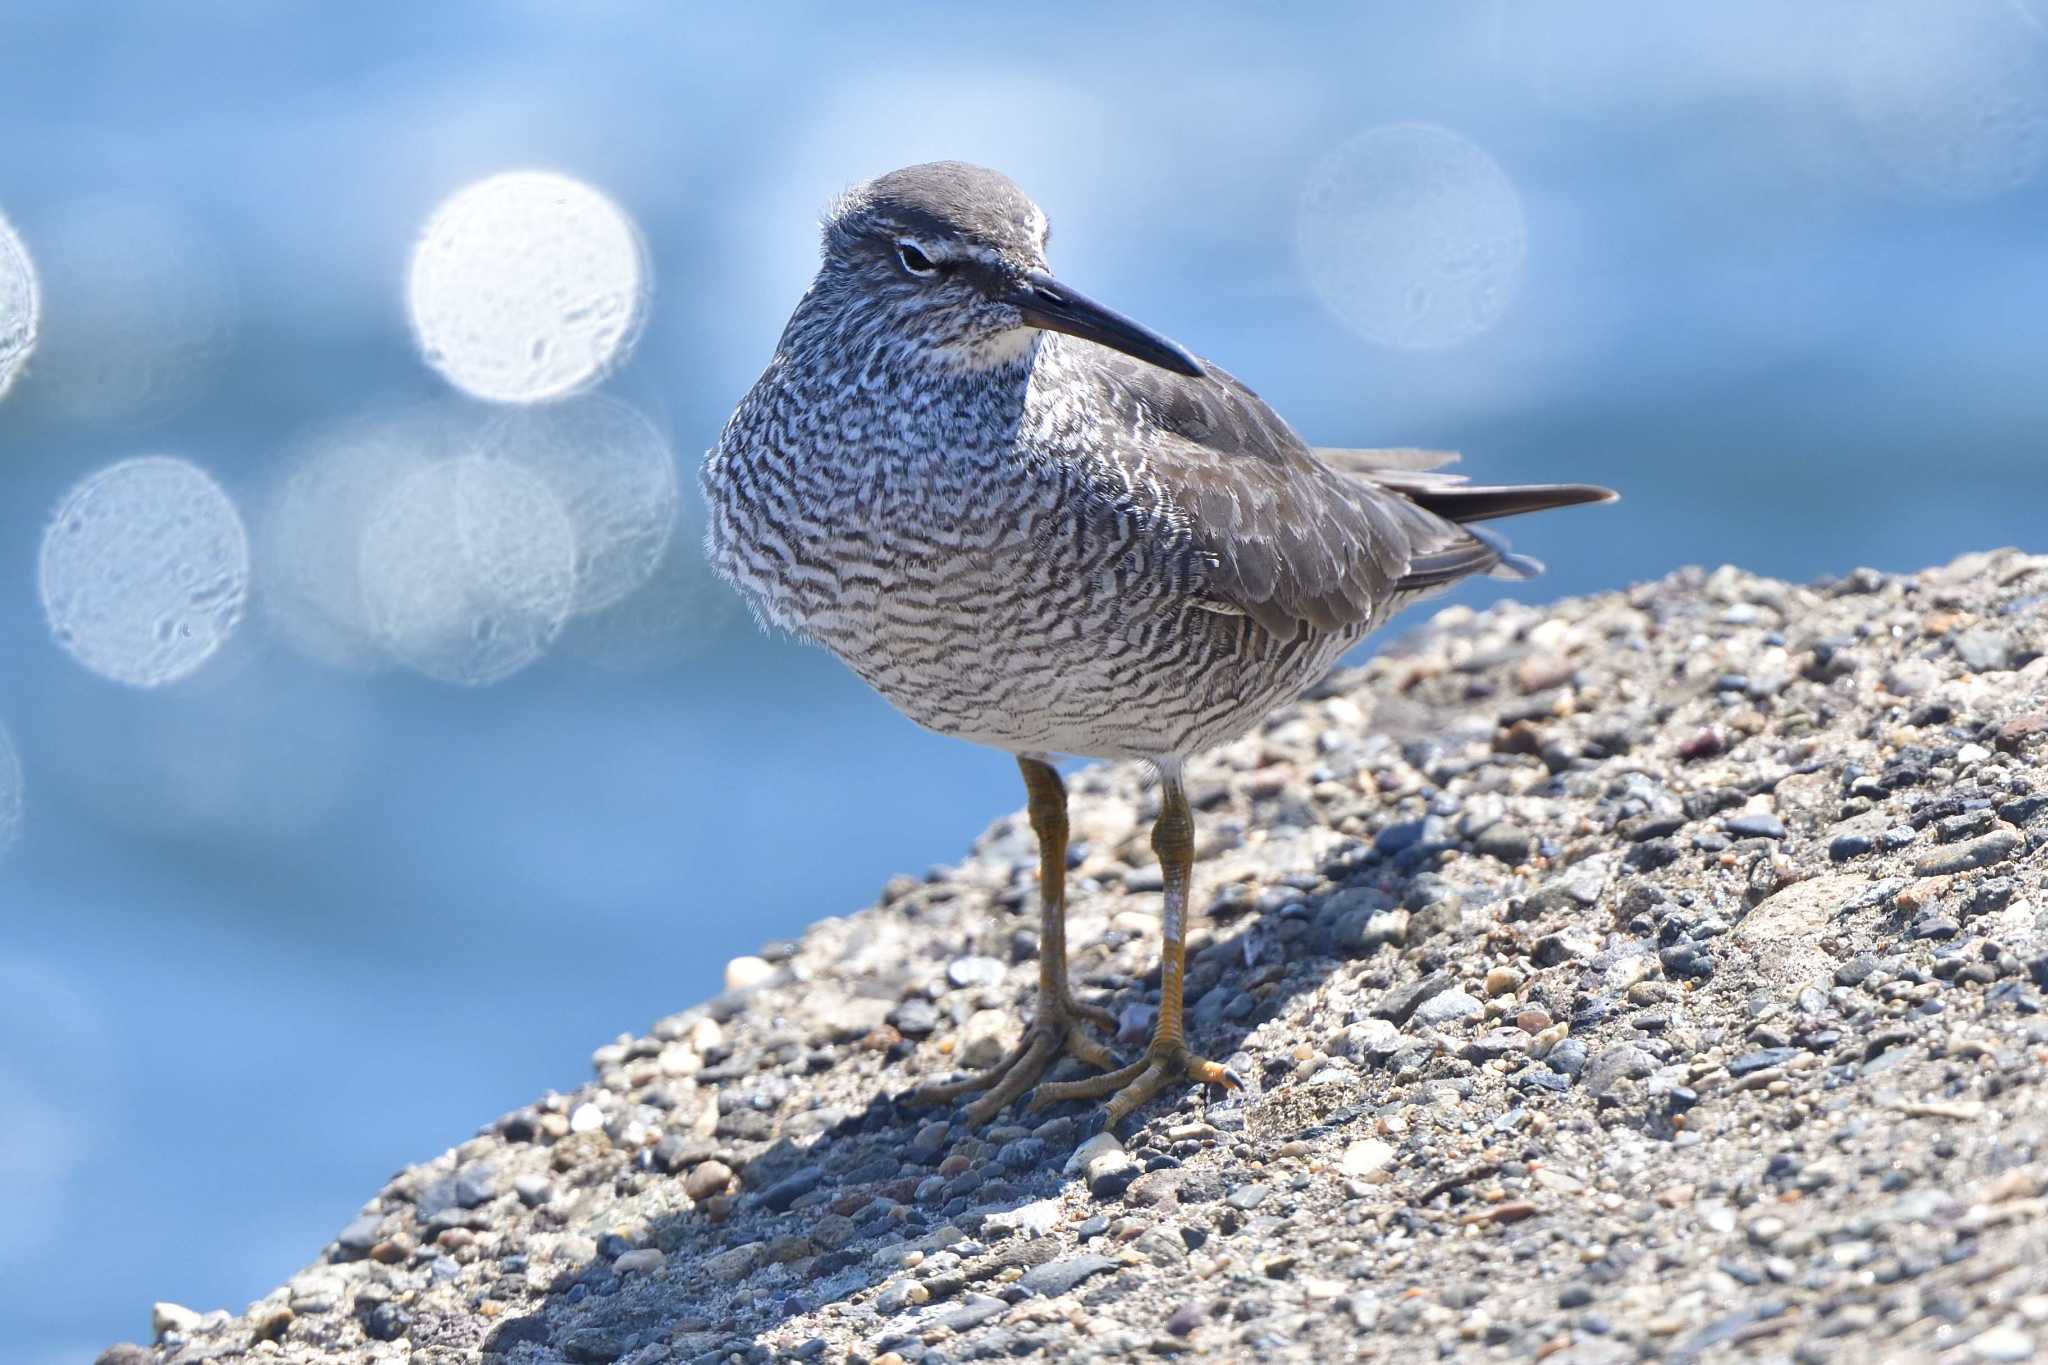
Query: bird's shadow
[{"x": 824, "y": 1215}]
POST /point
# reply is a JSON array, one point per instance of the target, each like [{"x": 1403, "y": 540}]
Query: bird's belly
[{"x": 1020, "y": 667}]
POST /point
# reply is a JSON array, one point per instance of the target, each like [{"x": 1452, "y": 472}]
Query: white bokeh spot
[
  {"x": 1954, "y": 96},
  {"x": 615, "y": 477},
  {"x": 468, "y": 569},
  {"x": 1412, "y": 236},
  {"x": 144, "y": 571},
  {"x": 20, "y": 306},
  {"x": 527, "y": 286},
  {"x": 10, "y": 793}
]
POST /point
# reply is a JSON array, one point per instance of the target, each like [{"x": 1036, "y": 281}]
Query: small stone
[
  {"x": 386, "y": 1322},
  {"x": 1248, "y": 1197},
  {"x": 706, "y": 1179},
  {"x": 1983, "y": 650},
  {"x": 1910, "y": 677},
  {"x": 166, "y": 1317},
  {"x": 2004, "y": 1342},
  {"x": 728, "y": 1267},
  {"x": 915, "y": 1018},
  {"x": 1993, "y": 848},
  {"x": 984, "y": 1039},
  {"x": 586, "y": 1118},
  {"x": 1183, "y": 1320},
  {"x": 533, "y": 1190},
  {"x": 475, "y": 1185},
  {"x": 1505, "y": 842},
  {"x": 1448, "y": 1007},
  {"x": 1503, "y": 981},
  {"x": 747, "y": 971},
  {"x": 778, "y": 1197},
  {"x": 355, "y": 1240},
  {"x": 1843, "y": 847},
  {"x": 1401, "y": 1002},
  {"x": 964, "y": 972},
  {"x": 642, "y": 1260},
  {"x": 1757, "y": 825},
  {"x": 1760, "y": 1060},
  {"x": 1055, "y": 1278},
  {"x": 1367, "y": 1159},
  {"x": 270, "y": 1322},
  {"x": 1617, "y": 1064}
]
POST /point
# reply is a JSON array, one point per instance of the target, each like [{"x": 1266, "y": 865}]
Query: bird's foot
[
  {"x": 1164, "y": 1062},
  {"x": 1053, "y": 1032}
]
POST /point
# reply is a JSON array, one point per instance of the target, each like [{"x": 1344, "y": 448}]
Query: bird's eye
[{"x": 915, "y": 261}]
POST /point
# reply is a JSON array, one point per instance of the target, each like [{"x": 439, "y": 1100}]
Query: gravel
[{"x": 1662, "y": 974}]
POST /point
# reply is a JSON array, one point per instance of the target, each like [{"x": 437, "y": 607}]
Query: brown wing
[{"x": 1292, "y": 539}]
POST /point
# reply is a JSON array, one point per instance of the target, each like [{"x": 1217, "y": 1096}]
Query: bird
[{"x": 1033, "y": 523}]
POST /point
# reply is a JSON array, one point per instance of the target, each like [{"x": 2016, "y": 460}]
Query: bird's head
[{"x": 948, "y": 260}]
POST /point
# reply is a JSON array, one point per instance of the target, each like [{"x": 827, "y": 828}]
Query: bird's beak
[{"x": 1047, "y": 303}]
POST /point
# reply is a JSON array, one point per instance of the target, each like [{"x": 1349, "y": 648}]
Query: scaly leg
[
  {"x": 1056, "y": 1027},
  {"x": 1167, "y": 1058}
]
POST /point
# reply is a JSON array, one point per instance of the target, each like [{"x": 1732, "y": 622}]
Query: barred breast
[{"x": 964, "y": 548}]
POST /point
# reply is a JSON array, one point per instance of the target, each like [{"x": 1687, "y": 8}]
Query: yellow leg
[
  {"x": 1056, "y": 1027},
  {"x": 1167, "y": 1058}
]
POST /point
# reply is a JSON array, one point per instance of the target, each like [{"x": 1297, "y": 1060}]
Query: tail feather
[
  {"x": 1471, "y": 502},
  {"x": 1416, "y": 475}
]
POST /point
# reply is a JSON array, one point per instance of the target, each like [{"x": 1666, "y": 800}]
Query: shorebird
[{"x": 1030, "y": 522}]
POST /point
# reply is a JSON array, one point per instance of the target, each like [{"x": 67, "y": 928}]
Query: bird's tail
[{"x": 1416, "y": 475}]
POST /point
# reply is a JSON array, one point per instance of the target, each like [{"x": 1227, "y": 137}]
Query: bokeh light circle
[
  {"x": 1412, "y": 236},
  {"x": 468, "y": 569},
  {"x": 1954, "y": 96},
  {"x": 144, "y": 570},
  {"x": 10, "y": 792},
  {"x": 615, "y": 477},
  {"x": 527, "y": 286},
  {"x": 309, "y": 537},
  {"x": 20, "y": 306}
]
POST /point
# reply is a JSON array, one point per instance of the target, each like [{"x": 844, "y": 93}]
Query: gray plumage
[{"x": 1031, "y": 540}]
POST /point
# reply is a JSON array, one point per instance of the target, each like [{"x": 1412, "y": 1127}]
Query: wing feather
[{"x": 1334, "y": 539}]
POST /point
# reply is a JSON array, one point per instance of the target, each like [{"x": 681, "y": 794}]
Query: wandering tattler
[{"x": 1028, "y": 521}]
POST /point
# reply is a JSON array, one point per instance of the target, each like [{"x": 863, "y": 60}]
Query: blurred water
[{"x": 271, "y": 931}]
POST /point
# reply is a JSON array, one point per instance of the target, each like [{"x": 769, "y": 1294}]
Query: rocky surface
[{"x": 1656, "y": 975}]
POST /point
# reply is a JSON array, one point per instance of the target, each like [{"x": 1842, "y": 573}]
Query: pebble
[
  {"x": 1506, "y": 842},
  {"x": 1910, "y": 677},
  {"x": 1448, "y": 1007},
  {"x": 745, "y": 972},
  {"x": 1248, "y": 1197},
  {"x": 166, "y": 1317},
  {"x": 1055, "y": 1278},
  {"x": 735, "y": 1264},
  {"x": 1503, "y": 981},
  {"x": 915, "y": 1018},
  {"x": 1987, "y": 851},
  {"x": 965, "y": 972},
  {"x": 1367, "y": 1159},
  {"x": 642, "y": 1260},
  {"x": 706, "y": 1179},
  {"x": 1754, "y": 826},
  {"x": 2003, "y": 1342},
  {"x": 779, "y": 1196},
  {"x": 586, "y": 1118}
]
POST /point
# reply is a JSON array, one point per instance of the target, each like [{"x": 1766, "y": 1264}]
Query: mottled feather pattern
[{"x": 1039, "y": 543}]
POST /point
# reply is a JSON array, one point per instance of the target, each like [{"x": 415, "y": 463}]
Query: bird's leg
[
  {"x": 1167, "y": 1058},
  {"x": 1056, "y": 1027}
]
